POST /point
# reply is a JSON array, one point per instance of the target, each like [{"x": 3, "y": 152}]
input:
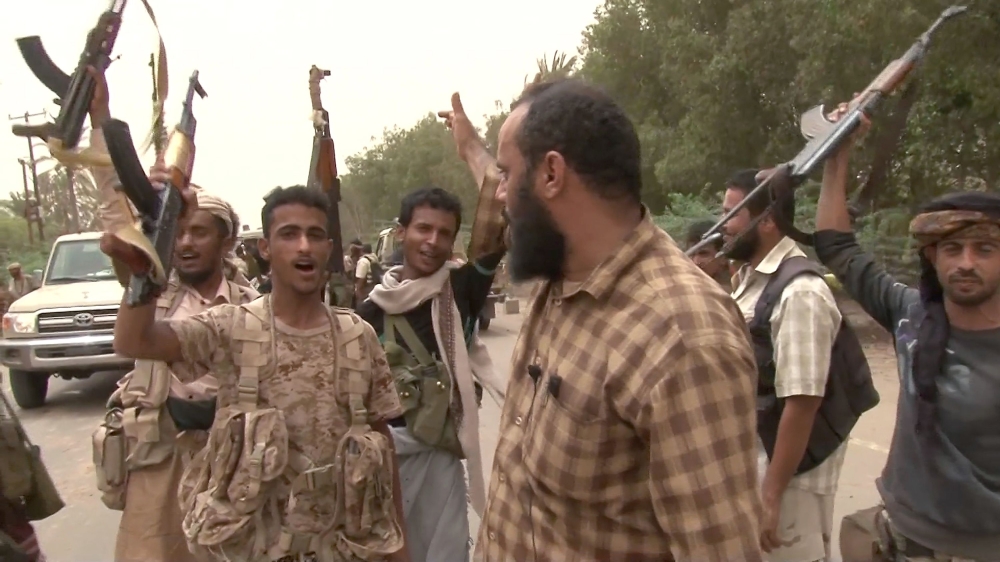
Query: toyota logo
[{"x": 83, "y": 320}]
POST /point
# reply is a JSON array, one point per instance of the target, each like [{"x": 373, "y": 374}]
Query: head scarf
[
  {"x": 957, "y": 215},
  {"x": 219, "y": 208},
  {"x": 13, "y": 266}
]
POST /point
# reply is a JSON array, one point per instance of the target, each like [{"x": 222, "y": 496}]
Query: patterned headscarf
[
  {"x": 966, "y": 215},
  {"x": 218, "y": 207}
]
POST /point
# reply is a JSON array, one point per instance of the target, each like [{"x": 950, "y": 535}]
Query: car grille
[{"x": 77, "y": 320}]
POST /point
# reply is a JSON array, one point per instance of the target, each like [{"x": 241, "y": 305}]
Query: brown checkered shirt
[{"x": 646, "y": 450}]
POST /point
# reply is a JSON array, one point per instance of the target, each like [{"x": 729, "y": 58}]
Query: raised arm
[
  {"x": 489, "y": 224},
  {"x": 882, "y": 297},
  {"x": 700, "y": 421}
]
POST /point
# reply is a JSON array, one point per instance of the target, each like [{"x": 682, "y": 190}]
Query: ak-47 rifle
[
  {"x": 323, "y": 173},
  {"x": 824, "y": 138},
  {"x": 159, "y": 210},
  {"x": 74, "y": 93}
]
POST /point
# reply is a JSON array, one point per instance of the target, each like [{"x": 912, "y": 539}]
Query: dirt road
[{"x": 85, "y": 529}]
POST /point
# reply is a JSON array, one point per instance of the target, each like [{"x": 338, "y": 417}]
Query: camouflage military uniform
[{"x": 312, "y": 400}]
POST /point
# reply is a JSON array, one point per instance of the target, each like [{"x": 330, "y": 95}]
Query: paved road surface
[{"x": 85, "y": 529}]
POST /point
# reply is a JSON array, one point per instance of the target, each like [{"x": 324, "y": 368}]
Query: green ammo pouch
[{"x": 424, "y": 387}]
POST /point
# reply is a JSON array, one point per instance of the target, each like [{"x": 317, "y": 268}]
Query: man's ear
[
  {"x": 553, "y": 171},
  {"x": 264, "y": 249}
]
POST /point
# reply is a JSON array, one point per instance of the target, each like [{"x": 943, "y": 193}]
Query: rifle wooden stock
[{"x": 323, "y": 169}]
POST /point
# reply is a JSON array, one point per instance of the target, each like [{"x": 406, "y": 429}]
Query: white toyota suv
[{"x": 65, "y": 327}]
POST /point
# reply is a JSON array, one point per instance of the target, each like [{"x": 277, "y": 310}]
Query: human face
[
  {"x": 199, "y": 248},
  {"x": 297, "y": 248},
  {"x": 15, "y": 272},
  {"x": 747, "y": 246},
  {"x": 428, "y": 239},
  {"x": 706, "y": 260},
  {"x": 968, "y": 269},
  {"x": 538, "y": 246}
]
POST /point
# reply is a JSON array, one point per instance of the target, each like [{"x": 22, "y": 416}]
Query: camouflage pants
[{"x": 894, "y": 547}]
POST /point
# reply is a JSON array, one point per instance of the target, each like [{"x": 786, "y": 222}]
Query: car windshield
[{"x": 78, "y": 260}]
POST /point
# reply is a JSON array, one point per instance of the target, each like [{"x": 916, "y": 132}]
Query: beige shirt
[
  {"x": 804, "y": 325},
  {"x": 20, "y": 287},
  {"x": 191, "y": 304},
  {"x": 364, "y": 266}
]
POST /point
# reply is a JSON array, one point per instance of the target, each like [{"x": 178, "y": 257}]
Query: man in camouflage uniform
[
  {"x": 150, "y": 528},
  {"x": 305, "y": 393}
]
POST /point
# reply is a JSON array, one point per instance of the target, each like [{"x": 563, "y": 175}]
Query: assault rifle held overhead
[
  {"x": 824, "y": 139},
  {"x": 159, "y": 209},
  {"x": 73, "y": 93},
  {"x": 323, "y": 176}
]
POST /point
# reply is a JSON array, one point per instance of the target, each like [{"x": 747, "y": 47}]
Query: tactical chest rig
[
  {"x": 137, "y": 431},
  {"x": 238, "y": 490}
]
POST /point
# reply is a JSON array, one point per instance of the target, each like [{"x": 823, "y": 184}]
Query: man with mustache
[
  {"x": 427, "y": 307},
  {"x": 794, "y": 324},
  {"x": 627, "y": 430},
  {"x": 940, "y": 487},
  {"x": 150, "y": 528},
  {"x": 305, "y": 394}
]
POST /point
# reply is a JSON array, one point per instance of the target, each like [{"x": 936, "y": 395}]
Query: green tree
[
  {"x": 718, "y": 85},
  {"x": 56, "y": 208},
  {"x": 401, "y": 161}
]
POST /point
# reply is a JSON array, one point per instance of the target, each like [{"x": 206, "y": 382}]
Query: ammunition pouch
[
  {"x": 16, "y": 480},
  {"x": 424, "y": 386},
  {"x": 23, "y": 476},
  {"x": 109, "y": 455},
  {"x": 238, "y": 490}
]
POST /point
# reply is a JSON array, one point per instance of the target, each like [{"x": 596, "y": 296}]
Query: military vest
[
  {"x": 237, "y": 490},
  {"x": 849, "y": 391},
  {"x": 137, "y": 431}
]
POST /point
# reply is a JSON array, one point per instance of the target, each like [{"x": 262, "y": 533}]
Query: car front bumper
[{"x": 62, "y": 353}]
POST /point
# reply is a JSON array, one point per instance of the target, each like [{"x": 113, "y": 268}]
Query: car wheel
[{"x": 29, "y": 388}]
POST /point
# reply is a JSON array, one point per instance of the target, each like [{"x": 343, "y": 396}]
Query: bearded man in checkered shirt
[{"x": 628, "y": 428}]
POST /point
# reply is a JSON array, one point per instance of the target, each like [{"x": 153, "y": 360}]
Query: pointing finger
[
  {"x": 456, "y": 104},
  {"x": 446, "y": 114}
]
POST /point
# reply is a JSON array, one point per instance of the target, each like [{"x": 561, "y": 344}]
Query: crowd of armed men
[{"x": 650, "y": 414}]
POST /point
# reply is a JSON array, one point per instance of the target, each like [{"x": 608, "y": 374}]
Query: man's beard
[
  {"x": 538, "y": 248},
  {"x": 745, "y": 247},
  {"x": 192, "y": 278},
  {"x": 969, "y": 299}
]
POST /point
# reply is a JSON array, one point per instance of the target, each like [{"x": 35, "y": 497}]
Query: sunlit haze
[{"x": 392, "y": 63}]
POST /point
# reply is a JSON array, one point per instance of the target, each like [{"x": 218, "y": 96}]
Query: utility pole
[
  {"x": 27, "y": 200},
  {"x": 34, "y": 173},
  {"x": 75, "y": 213}
]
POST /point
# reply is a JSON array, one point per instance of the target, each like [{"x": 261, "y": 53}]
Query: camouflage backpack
[{"x": 235, "y": 492}]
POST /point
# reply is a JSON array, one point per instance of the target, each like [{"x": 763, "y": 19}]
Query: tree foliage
[
  {"x": 56, "y": 210},
  {"x": 718, "y": 85}
]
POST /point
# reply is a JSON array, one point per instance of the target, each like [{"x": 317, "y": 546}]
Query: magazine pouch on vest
[
  {"x": 137, "y": 431},
  {"x": 237, "y": 490},
  {"x": 849, "y": 391},
  {"x": 424, "y": 387},
  {"x": 24, "y": 480}
]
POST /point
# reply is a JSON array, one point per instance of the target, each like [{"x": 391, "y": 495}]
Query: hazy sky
[{"x": 392, "y": 62}]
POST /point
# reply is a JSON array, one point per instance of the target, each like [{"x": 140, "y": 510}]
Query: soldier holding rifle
[
  {"x": 150, "y": 528},
  {"x": 939, "y": 488}
]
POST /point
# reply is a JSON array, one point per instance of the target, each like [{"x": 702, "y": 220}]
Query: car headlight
[{"x": 19, "y": 323}]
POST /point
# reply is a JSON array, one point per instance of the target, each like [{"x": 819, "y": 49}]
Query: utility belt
[{"x": 424, "y": 386}]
